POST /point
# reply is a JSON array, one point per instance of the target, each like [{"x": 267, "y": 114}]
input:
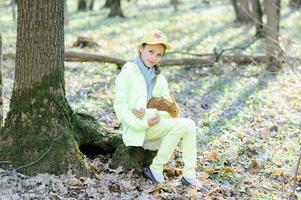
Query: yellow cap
[{"x": 156, "y": 37}]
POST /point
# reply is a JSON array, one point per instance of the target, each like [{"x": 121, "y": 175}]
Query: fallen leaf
[
  {"x": 75, "y": 182},
  {"x": 98, "y": 176},
  {"x": 163, "y": 187},
  {"x": 192, "y": 192}
]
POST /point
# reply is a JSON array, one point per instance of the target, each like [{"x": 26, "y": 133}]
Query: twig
[
  {"x": 191, "y": 54},
  {"x": 4, "y": 162},
  {"x": 241, "y": 47},
  {"x": 295, "y": 176},
  {"x": 217, "y": 54},
  {"x": 24, "y": 166}
]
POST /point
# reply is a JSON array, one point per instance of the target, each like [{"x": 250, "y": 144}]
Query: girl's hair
[{"x": 143, "y": 45}]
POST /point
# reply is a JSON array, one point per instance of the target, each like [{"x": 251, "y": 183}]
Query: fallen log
[
  {"x": 238, "y": 59},
  {"x": 82, "y": 57}
]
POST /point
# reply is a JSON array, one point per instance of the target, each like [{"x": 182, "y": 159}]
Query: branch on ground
[{"x": 238, "y": 59}]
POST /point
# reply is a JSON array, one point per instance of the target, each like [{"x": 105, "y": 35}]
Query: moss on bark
[
  {"x": 42, "y": 127},
  {"x": 132, "y": 158}
]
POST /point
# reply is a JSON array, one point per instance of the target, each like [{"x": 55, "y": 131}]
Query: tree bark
[
  {"x": 242, "y": 11},
  {"x": 42, "y": 133},
  {"x": 132, "y": 158},
  {"x": 1, "y": 84},
  {"x": 257, "y": 17},
  {"x": 82, "y": 5},
  {"x": 116, "y": 9},
  {"x": 274, "y": 53}
]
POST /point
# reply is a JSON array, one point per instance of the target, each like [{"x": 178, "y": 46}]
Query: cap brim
[{"x": 167, "y": 46}]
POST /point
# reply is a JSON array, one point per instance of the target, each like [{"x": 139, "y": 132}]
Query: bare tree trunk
[
  {"x": 242, "y": 11},
  {"x": 274, "y": 53},
  {"x": 82, "y": 5},
  {"x": 257, "y": 17},
  {"x": 108, "y": 3},
  {"x": 1, "y": 84},
  {"x": 66, "y": 21},
  {"x": 175, "y": 3},
  {"x": 91, "y": 5},
  {"x": 14, "y": 5},
  {"x": 116, "y": 9}
]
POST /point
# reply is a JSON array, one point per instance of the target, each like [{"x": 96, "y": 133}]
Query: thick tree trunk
[
  {"x": 116, "y": 9},
  {"x": 1, "y": 84},
  {"x": 82, "y": 5},
  {"x": 242, "y": 11},
  {"x": 257, "y": 17},
  {"x": 274, "y": 53},
  {"x": 41, "y": 132}
]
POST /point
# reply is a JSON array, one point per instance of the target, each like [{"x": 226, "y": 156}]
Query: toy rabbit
[{"x": 164, "y": 105}]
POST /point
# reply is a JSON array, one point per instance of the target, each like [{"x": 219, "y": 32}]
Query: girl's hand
[
  {"x": 138, "y": 112},
  {"x": 154, "y": 120}
]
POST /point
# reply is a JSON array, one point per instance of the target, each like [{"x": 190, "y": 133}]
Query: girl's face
[{"x": 151, "y": 54}]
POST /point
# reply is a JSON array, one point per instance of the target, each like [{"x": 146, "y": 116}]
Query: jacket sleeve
[{"x": 123, "y": 113}]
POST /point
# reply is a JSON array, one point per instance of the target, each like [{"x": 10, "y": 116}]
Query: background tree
[
  {"x": 91, "y": 4},
  {"x": 175, "y": 4},
  {"x": 82, "y": 5},
  {"x": 13, "y": 3},
  {"x": 41, "y": 132},
  {"x": 116, "y": 10},
  {"x": 257, "y": 17},
  {"x": 108, "y": 4},
  {"x": 274, "y": 52},
  {"x": 249, "y": 11},
  {"x": 65, "y": 13},
  {"x": 242, "y": 11}
]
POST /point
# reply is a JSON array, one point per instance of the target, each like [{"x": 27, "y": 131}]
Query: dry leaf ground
[{"x": 248, "y": 119}]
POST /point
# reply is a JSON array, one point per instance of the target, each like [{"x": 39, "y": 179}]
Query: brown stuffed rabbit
[{"x": 164, "y": 105}]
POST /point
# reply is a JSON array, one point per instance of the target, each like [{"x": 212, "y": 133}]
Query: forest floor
[{"x": 248, "y": 119}]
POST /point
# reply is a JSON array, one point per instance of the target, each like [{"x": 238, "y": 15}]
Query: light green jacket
[{"x": 131, "y": 92}]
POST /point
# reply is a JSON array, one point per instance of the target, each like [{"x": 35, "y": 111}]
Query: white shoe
[
  {"x": 154, "y": 177},
  {"x": 191, "y": 182}
]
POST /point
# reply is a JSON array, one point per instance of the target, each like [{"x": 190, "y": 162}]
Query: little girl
[{"x": 136, "y": 84}]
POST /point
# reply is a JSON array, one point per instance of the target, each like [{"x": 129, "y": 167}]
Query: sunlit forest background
[{"x": 248, "y": 116}]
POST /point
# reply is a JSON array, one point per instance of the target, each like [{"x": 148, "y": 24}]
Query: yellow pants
[{"x": 172, "y": 130}]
